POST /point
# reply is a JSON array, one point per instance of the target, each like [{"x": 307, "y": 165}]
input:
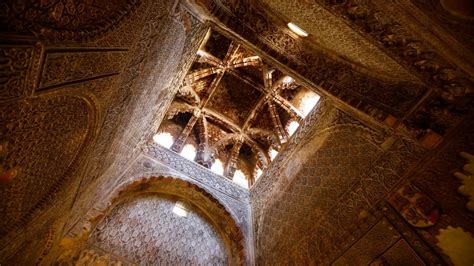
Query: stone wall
[
  {"x": 78, "y": 101},
  {"x": 305, "y": 207}
]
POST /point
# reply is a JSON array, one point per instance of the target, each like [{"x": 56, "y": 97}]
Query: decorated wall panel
[
  {"x": 66, "y": 66},
  {"x": 145, "y": 230},
  {"x": 35, "y": 129},
  {"x": 64, "y": 20},
  {"x": 15, "y": 63}
]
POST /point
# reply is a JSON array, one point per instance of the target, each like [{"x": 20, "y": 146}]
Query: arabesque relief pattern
[
  {"x": 15, "y": 64},
  {"x": 145, "y": 230},
  {"x": 327, "y": 191},
  {"x": 85, "y": 84},
  {"x": 35, "y": 129},
  {"x": 64, "y": 20},
  {"x": 87, "y": 61}
]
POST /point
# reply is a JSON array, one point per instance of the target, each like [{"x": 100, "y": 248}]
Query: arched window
[
  {"x": 292, "y": 127},
  {"x": 273, "y": 153},
  {"x": 240, "y": 179},
  {"x": 258, "y": 173},
  {"x": 165, "y": 139},
  {"x": 189, "y": 152},
  {"x": 308, "y": 102},
  {"x": 217, "y": 167}
]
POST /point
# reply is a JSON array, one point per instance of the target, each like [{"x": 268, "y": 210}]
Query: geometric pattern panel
[{"x": 145, "y": 230}]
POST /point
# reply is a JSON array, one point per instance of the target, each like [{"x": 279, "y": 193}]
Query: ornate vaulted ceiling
[
  {"x": 236, "y": 108},
  {"x": 366, "y": 179}
]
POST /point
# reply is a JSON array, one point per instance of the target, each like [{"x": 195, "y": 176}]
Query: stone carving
[
  {"x": 15, "y": 63},
  {"x": 66, "y": 67},
  {"x": 41, "y": 144},
  {"x": 145, "y": 230},
  {"x": 450, "y": 82},
  {"x": 64, "y": 20},
  {"x": 339, "y": 79},
  {"x": 166, "y": 187},
  {"x": 195, "y": 171},
  {"x": 94, "y": 257},
  {"x": 467, "y": 187},
  {"x": 315, "y": 197}
]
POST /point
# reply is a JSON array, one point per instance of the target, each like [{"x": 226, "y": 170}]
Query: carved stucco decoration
[
  {"x": 145, "y": 230},
  {"x": 200, "y": 198},
  {"x": 452, "y": 88},
  {"x": 289, "y": 201},
  {"x": 66, "y": 66},
  {"x": 15, "y": 63},
  {"x": 438, "y": 108},
  {"x": 338, "y": 78},
  {"x": 44, "y": 148},
  {"x": 457, "y": 244},
  {"x": 118, "y": 155},
  {"x": 97, "y": 257},
  {"x": 467, "y": 187},
  {"x": 64, "y": 20},
  {"x": 332, "y": 34}
]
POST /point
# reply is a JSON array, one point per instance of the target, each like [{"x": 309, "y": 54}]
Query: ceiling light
[
  {"x": 299, "y": 31},
  {"x": 201, "y": 53},
  {"x": 180, "y": 209}
]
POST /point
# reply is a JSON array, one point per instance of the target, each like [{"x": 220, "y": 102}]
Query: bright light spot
[
  {"x": 308, "y": 102},
  {"x": 292, "y": 127},
  {"x": 201, "y": 53},
  {"x": 189, "y": 152},
  {"x": 288, "y": 80},
  {"x": 240, "y": 179},
  {"x": 217, "y": 167},
  {"x": 164, "y": 139},
  {"x": 180, "y": 210},
  {"x": 299, "y": 31},
  {"x": 259, "y": 173},
  {"x": 273, "y": 154}
]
